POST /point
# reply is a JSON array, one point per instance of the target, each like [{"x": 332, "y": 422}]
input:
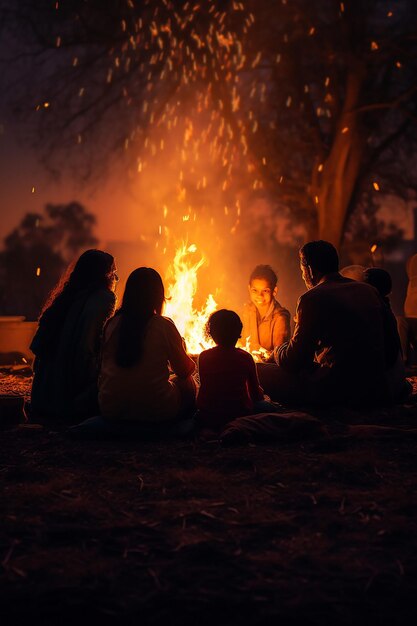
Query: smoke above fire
[
  {"x": 180, "y": 92},
  {"x": 196, "y": 164},
  {"x": 182, "y": 222},
  {"x": 183, "y": 198}
]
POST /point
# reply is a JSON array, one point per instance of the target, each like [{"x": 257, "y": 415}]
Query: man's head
[
  {"x": 262, "y": 287},
  {"x": 317, "y": 258}
]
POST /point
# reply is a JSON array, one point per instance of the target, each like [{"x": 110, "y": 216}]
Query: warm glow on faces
[
  {"x": 114, "y": 277},
  {"x": 306, "y": 275},
  {"x": 261, "y": 294}
]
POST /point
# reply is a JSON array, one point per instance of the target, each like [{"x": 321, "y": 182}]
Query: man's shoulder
[
  {"x": 352, "y": 289},
  {"x": 314, "y": 296},
  {"x": 311, "y": 295}
]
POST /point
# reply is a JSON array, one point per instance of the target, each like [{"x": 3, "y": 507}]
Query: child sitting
[
  {"x": 266, "y": 324},
  {"x": 397, "y": 385},
  {"x": 229, "y": 381},
  {"x": 381, "y": 280}
]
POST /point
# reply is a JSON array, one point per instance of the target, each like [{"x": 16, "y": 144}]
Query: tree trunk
[{"x": 341, "y": 169}]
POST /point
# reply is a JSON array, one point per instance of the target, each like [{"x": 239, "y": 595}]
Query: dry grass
[{"x": 307, "y": 532}]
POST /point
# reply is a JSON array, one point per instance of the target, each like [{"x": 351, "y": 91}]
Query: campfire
[{"x": 182, "y": 284}]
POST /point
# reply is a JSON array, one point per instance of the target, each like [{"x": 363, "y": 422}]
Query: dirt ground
[{"x": 314, "y": 531}]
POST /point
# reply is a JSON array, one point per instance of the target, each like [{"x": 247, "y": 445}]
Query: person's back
[
  {"x": 342, "y": 322},
  {"x": 146, "y": 388},
  {"x": 77, "y": 351},
  {"x": 337, "y": 351},
  {"x": 143, "y": 392},
  {"x": 229, "y": 385},
  {"x": 398, "y": 387},
  {"x": 67, "y": 342}
]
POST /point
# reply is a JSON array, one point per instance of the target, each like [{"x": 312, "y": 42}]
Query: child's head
[
  {"x": 262, "y": 286},
  {"x": 224, "y": 327},
  {"x": 380, "y": 279}
]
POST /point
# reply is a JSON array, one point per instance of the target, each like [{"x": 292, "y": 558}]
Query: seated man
[
  {"x": 337, "y": 351},
  {"x": 266, "y": 324}
]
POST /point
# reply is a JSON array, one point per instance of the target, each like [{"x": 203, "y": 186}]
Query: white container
[{"x": 16, "y": 335}]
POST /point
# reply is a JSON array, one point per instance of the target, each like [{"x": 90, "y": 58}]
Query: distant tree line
[
  {"x": 310, "y": 104},
  {"x": 36, "y": 253}
]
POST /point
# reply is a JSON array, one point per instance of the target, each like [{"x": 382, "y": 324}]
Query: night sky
[
  {"x": 26, "y": 186},
  {"x": 21, "y": 170}
]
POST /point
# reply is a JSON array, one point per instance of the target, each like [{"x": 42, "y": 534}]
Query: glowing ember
[
  {"x": 181, "y": 289},
  {"x": 259, "y": 355}
]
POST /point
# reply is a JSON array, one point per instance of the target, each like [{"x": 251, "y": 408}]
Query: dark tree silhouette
[
  {"x": 309, "y": 104},
  {"x": 36, "y": 253}
]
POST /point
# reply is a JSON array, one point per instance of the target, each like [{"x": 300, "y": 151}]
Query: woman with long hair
[
  {"x": 146, "y": 375},
  {"x": 67, "y": 342}
]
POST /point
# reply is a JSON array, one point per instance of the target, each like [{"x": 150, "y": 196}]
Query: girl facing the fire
[
  {"x": 266, "y": 324},
  {"x": 140, "y": 347}
]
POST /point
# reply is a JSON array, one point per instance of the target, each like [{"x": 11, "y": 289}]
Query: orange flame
[{"x": 182, "y": 286}]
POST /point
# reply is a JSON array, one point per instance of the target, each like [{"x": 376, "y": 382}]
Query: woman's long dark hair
[
  {"x": 93, "y": 270},
  {"x": 143, "y": 297}
]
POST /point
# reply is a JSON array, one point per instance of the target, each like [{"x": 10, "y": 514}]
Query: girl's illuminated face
[{"x": 261, "y": 293}]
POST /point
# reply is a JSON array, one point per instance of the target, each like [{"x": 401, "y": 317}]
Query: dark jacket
[
  {"x": 66, "y": 363},
  {"x": 339, "y": 344}
]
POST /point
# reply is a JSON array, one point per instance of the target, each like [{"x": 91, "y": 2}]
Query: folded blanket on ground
[
  {"x": 294, "y": 426},
  {"x": 372, "y": 431}
]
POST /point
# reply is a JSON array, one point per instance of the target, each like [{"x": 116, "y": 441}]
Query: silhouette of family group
[{"x": 127, "y": 370}]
